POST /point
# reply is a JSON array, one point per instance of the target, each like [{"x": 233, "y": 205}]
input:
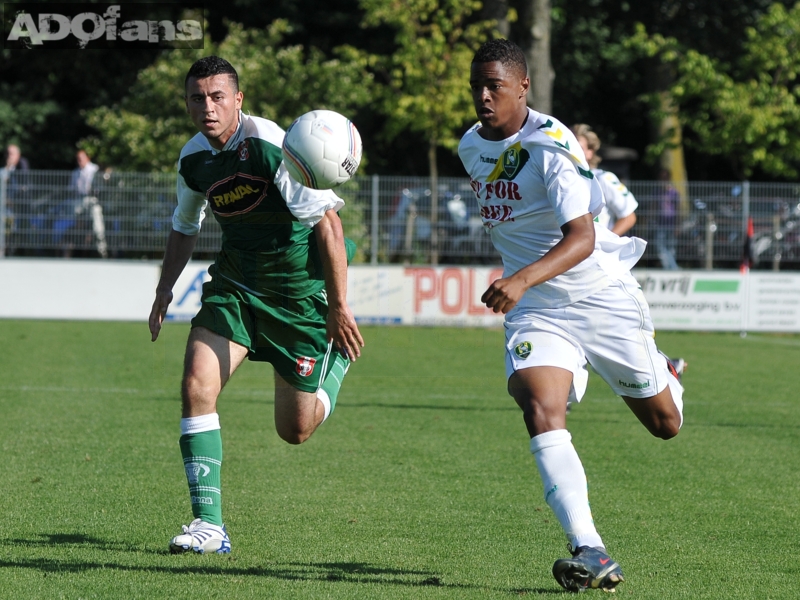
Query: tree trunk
[
  {"x": 497, "y": 10},
  {"x": 434, "y": 171},
  {"x": 532, "y": 34},
  {"x": 668, "y": 127}
]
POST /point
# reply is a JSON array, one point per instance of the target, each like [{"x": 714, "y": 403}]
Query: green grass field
[{"x": 420, "y": 486}]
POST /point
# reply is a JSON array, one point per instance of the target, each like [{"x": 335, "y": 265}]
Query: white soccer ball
[{"x": 322, "y": 149}]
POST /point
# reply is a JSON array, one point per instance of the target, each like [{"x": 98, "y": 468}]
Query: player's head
[
  {"x": 506, "y": 53},
  {"x": 209, "y": 66},
  {"x": 499, "y": 83},
  {"x": 213, "y": 99},
  {"x": 589, "y": 142}
]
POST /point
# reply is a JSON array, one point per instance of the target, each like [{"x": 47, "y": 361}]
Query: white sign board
[
  {"x": 702, "y": 300},
  {"x": 77, "y": 289},
  {"x": 187, "y": 291},
  {"x": 393, "y": 294}
]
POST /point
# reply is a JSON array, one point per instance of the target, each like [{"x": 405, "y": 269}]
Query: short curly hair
[
  {"x": 208, "y": 66},
  {"x": 505, "y": 52},
  {"x": 592, "y": 141}
]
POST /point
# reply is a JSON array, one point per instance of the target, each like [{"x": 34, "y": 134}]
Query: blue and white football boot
[{"x": 201, "y": 537}]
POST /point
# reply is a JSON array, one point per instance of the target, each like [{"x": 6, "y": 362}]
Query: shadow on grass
[
  {"x": 509, "y": 407},
  {"x": 224, "y": 565},
  {"x": 72, "y": 540}
]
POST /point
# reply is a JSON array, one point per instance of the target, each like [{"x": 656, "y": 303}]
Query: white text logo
[{"x": 118, "y": 25}]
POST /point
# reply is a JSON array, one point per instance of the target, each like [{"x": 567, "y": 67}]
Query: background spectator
[
  {"x": 667, "y": 221},
  {"x": 14, "y": 174},
  {"x": 81, "y": 201}
]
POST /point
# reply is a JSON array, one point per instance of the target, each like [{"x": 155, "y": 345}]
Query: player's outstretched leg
[
  {"x": 329, "y": 391},
  {"x": 201, "y": 447},
  {"x": 588, "y": 568},
  {"x": 677, "y": 366}
]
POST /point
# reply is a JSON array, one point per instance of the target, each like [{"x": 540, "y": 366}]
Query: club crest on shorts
[
  {"x": 523, "y": 349},
  {"x": 305, "y": 366}
]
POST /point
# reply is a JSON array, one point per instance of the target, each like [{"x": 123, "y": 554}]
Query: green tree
[
  {"x": 425, "y": 79},
  {"x": 147, "y": 129},
  {"x": 748, "y": 112},
  {"x": 592, "y": 59}
]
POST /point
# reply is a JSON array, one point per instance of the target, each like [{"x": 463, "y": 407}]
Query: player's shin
[
  {"x": 201, "y": 447},
  {"x": 565, "y": 486},
  {"x": 329, "y": 391}
]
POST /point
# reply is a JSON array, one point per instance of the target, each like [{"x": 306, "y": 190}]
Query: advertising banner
[
  {"x": 688, "y": 300},
  {"x": 395, "y": 295}
]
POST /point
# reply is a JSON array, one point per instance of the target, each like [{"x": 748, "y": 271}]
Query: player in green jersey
[{"x": 277, "y": 291}]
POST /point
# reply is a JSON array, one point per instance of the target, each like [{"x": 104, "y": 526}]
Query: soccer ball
[{"x": 322, "y": 149}]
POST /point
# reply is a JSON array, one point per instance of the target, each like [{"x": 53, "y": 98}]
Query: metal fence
[{"x": 396, "y": 220}]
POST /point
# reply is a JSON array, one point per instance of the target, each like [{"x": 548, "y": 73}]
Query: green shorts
[{"x": 288, "y": 333}]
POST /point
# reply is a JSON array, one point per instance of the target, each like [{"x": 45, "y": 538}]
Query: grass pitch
[{"x": 420, "y": 485}]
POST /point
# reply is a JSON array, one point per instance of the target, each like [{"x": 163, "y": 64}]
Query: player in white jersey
[
  {"x": 619, "y": 212},
  {"x": 566, "y": 291}
]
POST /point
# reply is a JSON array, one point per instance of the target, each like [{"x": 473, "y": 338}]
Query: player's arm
[
  {"x": 620, "y": 202},
  {"x": 179, "y": 250},
  {"x": 571, "y": 194},
  {"x": 576, "y": 246},
  {"x": 341, "y": 327},
  {"x": 186, "y": 221},
  {"x": 624, "y": 224}
]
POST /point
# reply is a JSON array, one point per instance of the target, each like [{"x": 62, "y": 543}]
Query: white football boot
[{"x": 201, "y": 537}]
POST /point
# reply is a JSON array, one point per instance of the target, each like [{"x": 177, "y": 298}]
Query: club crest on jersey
[
  {"x": 244, "y": 153},
  {"x": 523, "y": 349},
  {"x": 305, "y": 366},
  {"x": 510, "y": 163},
  {"x": 237, "y": 194}
]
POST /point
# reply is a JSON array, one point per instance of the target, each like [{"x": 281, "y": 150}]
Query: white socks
[
  {"x": 676, "y": 389},
  {"x": 199, "y": 424},
  {"x": 565, "y": 487},
  {"x": 323, "y": 397}
]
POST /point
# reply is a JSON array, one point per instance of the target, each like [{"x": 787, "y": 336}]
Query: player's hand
[
  {"x": 503, "y": 294},
  {"x": 344, "y": 333},
  {"x": 159, "y": 312}
]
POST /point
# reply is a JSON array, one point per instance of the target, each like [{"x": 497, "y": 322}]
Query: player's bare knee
[
  {"x": 540, "y": 418},
  {"x": 193, "y": 389},
  {"x": 666, "y": 428},
  {"x": 293, "y": 435},
  {"x": 196, "y": 394},
  {"x": 671, "y": 429}
]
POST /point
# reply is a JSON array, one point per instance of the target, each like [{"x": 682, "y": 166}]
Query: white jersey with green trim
[
  {"x": 528, "y": 186},
  {"x": 619, "y": 201}
]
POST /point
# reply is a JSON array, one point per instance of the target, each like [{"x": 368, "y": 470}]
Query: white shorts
[{"x": 611, "y": 330}]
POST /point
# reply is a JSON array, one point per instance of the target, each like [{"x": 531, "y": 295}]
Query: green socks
[
  {"x": 202, "y": 459},
  {"x": 333, "y": 383}
]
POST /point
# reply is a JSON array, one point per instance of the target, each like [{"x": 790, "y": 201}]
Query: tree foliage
[
  {"x": 425, "y": 80},
  {"x": 747, "y": 112},
  {"x": 148, "y": 128},
  {"x": 593, "y": 60},
  {"x": 299, "y": 54}
]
